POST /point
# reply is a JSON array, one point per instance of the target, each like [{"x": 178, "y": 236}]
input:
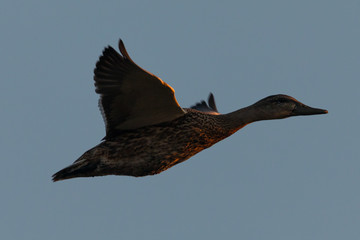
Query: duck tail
[{"x": 82, "y": 168}]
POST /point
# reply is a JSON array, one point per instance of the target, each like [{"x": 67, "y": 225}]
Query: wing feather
[
  {"x": 131, "y": 97},
  {"x": 204, "y": 107}
]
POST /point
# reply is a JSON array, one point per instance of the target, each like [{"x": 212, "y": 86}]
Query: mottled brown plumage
[{"x": 148, "y": 132}]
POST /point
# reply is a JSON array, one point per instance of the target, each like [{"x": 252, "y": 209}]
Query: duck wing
[
  {"x": 131, "y": 97},
  {"x": 208, "y": 108}
]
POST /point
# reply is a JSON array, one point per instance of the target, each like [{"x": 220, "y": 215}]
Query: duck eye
[{"x": 280, "y": 101}]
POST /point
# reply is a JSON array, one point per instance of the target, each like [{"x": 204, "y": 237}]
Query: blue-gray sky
[{"x": 286, "y": 179}]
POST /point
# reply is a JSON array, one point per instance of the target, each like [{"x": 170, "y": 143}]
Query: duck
[{"x": 147, "y": 132}]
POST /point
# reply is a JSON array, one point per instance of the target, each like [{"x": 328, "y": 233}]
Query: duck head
[{"x": 283, "y": 106}]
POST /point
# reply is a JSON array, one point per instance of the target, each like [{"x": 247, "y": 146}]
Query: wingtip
[
  {"x": 121, "y": 43},
  {"x": 211, "y": 97},
  {"x": 211, "y": 101},
  {"x": 123, "y": 50}
]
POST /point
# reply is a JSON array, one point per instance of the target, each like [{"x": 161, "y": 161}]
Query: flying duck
[{"x": 147, "y": 131}]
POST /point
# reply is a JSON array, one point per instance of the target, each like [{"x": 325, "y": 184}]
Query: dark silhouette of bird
[{"x": 148, "y": 132}]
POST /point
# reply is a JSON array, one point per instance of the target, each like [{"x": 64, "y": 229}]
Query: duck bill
[{"x": 306, "y": 110}]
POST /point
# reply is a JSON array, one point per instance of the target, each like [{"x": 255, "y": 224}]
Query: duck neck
[{"x": 240, "y": 118}]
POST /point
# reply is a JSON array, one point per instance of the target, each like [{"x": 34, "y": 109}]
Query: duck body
[
  {"x": 152, "y": 149},
  {"x": 148, "y": 132}
]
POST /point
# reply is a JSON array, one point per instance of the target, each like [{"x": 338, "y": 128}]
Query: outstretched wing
[
  {"x": 131, "y": 97},
  {"x": 203, "y": 107}
]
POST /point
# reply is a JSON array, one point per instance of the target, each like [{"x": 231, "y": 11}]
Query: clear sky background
[{"x": 296, "y": 178}]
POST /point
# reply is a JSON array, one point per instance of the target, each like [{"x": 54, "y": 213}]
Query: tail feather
[{"x": 77, "y": 169}]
